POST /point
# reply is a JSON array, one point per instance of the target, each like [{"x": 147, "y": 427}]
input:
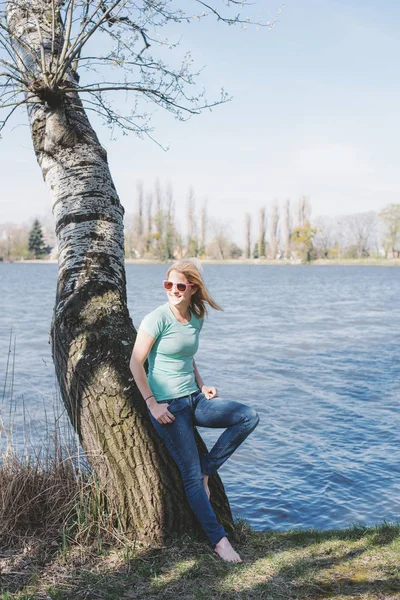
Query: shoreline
[{"x": 321, "y": 262}]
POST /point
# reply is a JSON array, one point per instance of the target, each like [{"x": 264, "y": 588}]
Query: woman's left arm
[{"x": 208, "y": 391}]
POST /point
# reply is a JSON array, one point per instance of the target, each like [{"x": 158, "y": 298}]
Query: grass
[
  {"x": 362, "y": 563},
  {"x": 58, "y": 541}
]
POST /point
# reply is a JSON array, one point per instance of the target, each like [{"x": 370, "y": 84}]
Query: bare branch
[
  {"x": 42, "y": 56},
  {"x": 112, "y": 20},
  {"x": 77, "y": 47},
  {"x": 238, "y": 19},
  {"x": 67, "y": 34},
  {"x": 53, "y": 31},
  {"x": 13, "y": 68},
  {"x": 15, "y": 105},
  {"x": 159, "y": 96},
  {"x": 27, "y": 49},
  {"x": 48, "y": 68},
  {"x": 10, "y": 76}
]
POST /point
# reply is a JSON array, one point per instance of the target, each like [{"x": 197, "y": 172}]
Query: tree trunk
[
  {"x": 92, "y": 334},
  {"x": 286, "y": 228},
  {"x": 247, "y": 235},
  {"x": 261, "y": 232},
  {"x": 274, "y": 229}
]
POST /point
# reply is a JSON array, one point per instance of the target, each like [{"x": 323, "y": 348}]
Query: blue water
[{"x": 315, "y": 350}]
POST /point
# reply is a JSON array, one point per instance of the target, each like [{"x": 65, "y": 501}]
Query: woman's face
[{"x": 175, "y": 297}]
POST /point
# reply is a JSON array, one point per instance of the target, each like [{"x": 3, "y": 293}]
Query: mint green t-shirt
[{"x": 171, "y": 372}]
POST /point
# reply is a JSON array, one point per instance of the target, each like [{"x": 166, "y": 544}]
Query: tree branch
[
  {"x": 64, "y": 30},
  {"x": 68, "y": 59}
]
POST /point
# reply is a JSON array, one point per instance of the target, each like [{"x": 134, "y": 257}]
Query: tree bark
[{"x": 92, "y": 334}]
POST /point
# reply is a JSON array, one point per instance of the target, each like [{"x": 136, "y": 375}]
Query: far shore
[{"x": 364, "y": 262}]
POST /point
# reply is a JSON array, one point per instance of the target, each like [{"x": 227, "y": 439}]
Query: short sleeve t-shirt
[{"x": 171, "y": 372}]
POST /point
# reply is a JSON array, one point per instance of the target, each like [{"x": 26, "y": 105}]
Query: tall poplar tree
[
  {"x": 273, "y": 229},
  {"x": 286, "y": 228},
  {"x": 247, "y": 235},
  {"x": 192, "y": 239},
  {"x": 262, "y": 228}
]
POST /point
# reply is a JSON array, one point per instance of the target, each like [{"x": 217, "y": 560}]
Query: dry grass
[
  {"x": 52, "y": 499},
  {"x": 35, "y": 495},
  {"x": 48, "y": 494}
]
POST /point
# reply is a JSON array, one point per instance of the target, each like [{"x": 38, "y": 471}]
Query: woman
[{"x": 178, "y": 399}]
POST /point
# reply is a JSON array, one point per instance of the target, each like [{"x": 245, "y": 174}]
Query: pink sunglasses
[{"x": 181, "y": 287}]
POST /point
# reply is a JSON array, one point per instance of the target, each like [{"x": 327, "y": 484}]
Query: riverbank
[
  {"x": 371, "y": 262},
  {"x": 360, "y": 563}
]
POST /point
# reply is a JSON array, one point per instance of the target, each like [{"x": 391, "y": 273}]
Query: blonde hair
[{"x": 201, "y": 297}]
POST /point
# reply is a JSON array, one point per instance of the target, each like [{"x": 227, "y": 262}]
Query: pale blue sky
[{"x": 315, "y": 111}]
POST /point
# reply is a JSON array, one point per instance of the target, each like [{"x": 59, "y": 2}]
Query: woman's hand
[
  {"x": 161, "y": 413},
  {"x": 209, "y": 391}
]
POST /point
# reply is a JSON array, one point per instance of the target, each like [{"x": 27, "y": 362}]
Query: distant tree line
[
  {"x": 25, "y": 242},
  {"x": 153, "y": 231},
  {"x": 277, "y": 231}
]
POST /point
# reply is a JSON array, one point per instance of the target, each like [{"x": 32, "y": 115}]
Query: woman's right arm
[{"x": 140, "y": 352}]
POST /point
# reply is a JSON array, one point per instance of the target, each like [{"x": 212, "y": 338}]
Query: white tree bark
[{"x": 92, "y": 334}]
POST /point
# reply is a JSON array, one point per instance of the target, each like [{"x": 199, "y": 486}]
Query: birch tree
[{"x": 62, "y": 60}]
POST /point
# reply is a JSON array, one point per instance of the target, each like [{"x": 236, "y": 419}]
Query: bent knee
[{"x": 252, "y": 417}]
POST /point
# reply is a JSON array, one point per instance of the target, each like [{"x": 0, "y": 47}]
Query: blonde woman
[{"x": 178, "y": 399}]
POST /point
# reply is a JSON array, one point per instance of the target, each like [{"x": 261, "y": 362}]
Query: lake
[{"x": 315, "y": 350}]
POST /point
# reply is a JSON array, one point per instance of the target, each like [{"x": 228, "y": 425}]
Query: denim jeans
[{"x": 239, "y": 421}]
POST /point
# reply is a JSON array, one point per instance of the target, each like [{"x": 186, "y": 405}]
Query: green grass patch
[{"x": 359, "y": 562}]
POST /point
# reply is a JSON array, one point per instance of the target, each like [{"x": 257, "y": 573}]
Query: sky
[{"x": 315, "y": 112}]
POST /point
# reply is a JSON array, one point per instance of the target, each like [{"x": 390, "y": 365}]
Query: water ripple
[{"x": 314, "y": 350}]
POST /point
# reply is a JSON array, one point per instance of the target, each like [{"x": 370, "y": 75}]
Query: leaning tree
[{"x": 62, "y": 59}]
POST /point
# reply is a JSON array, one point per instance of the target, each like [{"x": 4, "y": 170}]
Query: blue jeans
[{"x": 195, "y": 409}]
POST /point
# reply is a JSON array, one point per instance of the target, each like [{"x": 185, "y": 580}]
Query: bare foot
[
  {"x": 205, "y": 481},
  {"x": 226, "y": 552}
]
